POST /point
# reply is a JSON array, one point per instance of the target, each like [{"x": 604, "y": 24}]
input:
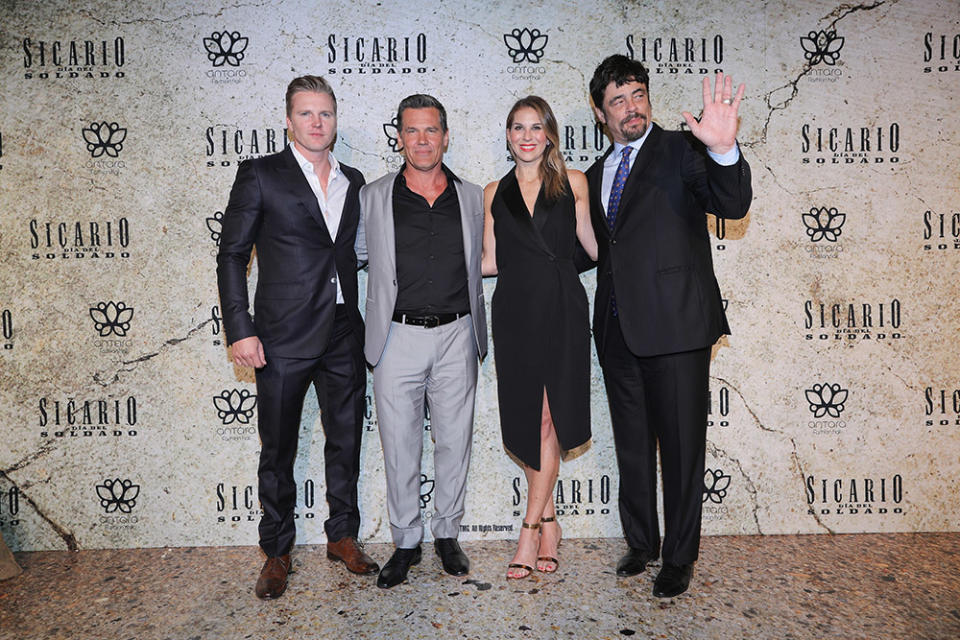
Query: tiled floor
[{"x": 850, "y": 586}]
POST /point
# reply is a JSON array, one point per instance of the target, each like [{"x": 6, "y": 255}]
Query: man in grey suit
[{"x": 425, "y": 330}]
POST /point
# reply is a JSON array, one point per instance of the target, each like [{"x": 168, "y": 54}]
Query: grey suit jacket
[{"x": 377, "y": 245}]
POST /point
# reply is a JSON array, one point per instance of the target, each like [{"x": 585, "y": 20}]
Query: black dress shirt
[{"x": 431, "y": 267}]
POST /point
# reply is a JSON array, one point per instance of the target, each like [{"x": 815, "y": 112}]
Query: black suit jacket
[
  {"x": 272, "y": 206},
  {"x": 657, "y": 258}
]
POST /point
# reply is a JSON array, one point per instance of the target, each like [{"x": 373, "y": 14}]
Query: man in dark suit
[
  {"x": 658, "y": 308},
  {"x": 300, "y": 208}
]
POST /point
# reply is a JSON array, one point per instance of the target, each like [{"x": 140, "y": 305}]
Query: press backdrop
[{"x": 834, "y": 405}]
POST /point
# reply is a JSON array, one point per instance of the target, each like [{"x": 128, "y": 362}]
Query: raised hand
[{"x": 717, "y": 127}]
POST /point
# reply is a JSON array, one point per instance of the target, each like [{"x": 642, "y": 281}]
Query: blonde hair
[{"x": 316, "y": 84}]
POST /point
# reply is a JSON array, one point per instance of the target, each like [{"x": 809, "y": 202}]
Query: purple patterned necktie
[
  {"x": 616, "y": 189},
  {"x": 613, "y": 204}
]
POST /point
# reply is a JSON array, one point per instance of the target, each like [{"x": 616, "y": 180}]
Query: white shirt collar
[{"x": 307, "y": 166}]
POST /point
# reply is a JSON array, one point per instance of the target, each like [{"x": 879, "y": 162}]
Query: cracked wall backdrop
[{"x": 834, "y": 404}]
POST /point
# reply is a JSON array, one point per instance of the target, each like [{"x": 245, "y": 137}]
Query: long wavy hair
[{"x": 553, "y": 170}]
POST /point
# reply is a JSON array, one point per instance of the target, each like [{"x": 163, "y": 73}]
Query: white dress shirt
[
  {"x": 331, "y": 203},
  {"x": 613, "y": 161}
]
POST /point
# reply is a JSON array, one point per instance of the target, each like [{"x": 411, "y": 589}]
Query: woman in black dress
[{"x": 541, "y": 331}]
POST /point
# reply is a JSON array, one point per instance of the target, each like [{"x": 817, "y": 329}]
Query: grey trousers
[{"x": 439, "y": 364}]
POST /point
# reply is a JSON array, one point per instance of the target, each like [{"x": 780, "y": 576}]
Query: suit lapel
[
  {"x": 301, "y": 191},
  {"x": 646, "y": 153},
  {"x": 595, "y": 184}
]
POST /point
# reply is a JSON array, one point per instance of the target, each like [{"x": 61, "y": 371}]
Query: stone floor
[{"x": 848, "y": 586}]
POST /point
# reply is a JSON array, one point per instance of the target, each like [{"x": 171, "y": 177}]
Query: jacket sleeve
[
  {"x": 241, "y": 223},
  {"x": 724, "y": 191}
]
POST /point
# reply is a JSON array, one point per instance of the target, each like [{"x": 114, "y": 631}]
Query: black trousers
[
  {"x": 658, "y": 400},
  {"x": 339, "y": 378}
]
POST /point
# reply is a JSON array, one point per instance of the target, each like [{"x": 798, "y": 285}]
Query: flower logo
[
  {"x": 118, "y": 495},
  {"x": 111, "y": 317},
  {"x": 235, "y": 405},
  {"x": 104, "y": 138},
  {"x": 821, "y": 46},
  {"x": 525, "y": 44},
  {"x": 826, "y": 399},
  {"x": 215, "y": 226},
  {"x": 392, "y": 131},
  {"x": 225, "y": 47},
  {"x": 715, "y": 485},
  {"x": 823, "y": 223},
  {"x": 426, "y": 491}
]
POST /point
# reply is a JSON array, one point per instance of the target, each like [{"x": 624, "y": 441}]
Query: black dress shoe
[
  {"x": 672, "y": 580},
  {"x": 395, "y": 571},
  {"x": 452, "y": 557},
  {"x": 634, "y": 562}
]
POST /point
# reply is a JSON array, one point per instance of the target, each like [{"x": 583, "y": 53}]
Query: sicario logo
[
  {"x": 941, "y": 231},
  {"x": 10, "y": 507},
  {"x": 239, "y": 503},
  {"x": 854, "y": 496},
  {"x": 229, "y": 145},
  {"x": 849, "y": 145},
  {"x": 678, "y": 54},
  {"x": 942, "y": 52},
  {"x": 6, "y": 328},
  {"x": 87, "y": 418},
  {"x": 853, "y": 321},
  {"x": 73, "y": 59},
  {"x": 79, "y": 239},
  {"x": 377, "y": 55}
]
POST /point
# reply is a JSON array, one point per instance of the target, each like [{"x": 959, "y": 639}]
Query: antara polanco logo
[
  {"x": 826, "y": 400},
  {"x": 525, "y": 45},
  {"x": 715, "y": 484},
  {"x": 226, "y": 47},
  {"x": 104, "y": 138},
  {"x": 823, "y": 223},
  {"x": 821, "y": 46},
  {"x": 235, "y": 405},
  {"x": 426, "y": 491},
  {"x": 111, "y": 318},
  {"x": 118, "y": 495},
  {"x": 392, "y": 131},
  {"x": 215, "y": 226}
]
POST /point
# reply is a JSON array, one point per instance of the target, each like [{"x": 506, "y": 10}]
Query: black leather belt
[{"x": 428, "y": 321}]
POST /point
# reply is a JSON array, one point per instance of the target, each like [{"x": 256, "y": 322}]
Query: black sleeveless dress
[{"x": 541, "y": 328}]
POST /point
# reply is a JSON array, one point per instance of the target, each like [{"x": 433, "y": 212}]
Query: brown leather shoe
[
  {"x": 349, "y": 552},
  {"x": 273, "y": 578}
]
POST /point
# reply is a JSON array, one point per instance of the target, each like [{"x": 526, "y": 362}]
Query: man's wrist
[{"x": 725, "y": 158}]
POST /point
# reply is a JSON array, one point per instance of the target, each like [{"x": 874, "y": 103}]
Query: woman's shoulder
[
  {"x": 576, "y": 178},
  {"x": 491, "y": 188}
]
